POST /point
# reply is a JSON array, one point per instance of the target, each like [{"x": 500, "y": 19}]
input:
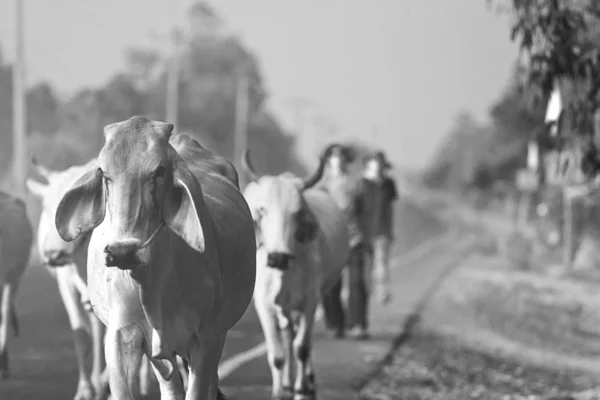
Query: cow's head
[
  {"x": 54, "y": 251},
  {"x": 138, "y": 186},
  {"x": 282, "y": 218}
]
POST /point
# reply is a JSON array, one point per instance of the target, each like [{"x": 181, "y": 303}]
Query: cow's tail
[{"x": 221, "y": 396}]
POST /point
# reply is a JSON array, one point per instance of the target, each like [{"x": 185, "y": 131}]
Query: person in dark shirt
[
  {"x": 343, "y": 187},
  {"x": 379, "y": 194}
]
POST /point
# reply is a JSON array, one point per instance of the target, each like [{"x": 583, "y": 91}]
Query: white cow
[
  {"x": 16, "y": 238},
  {"x": 302, "y": 247},
  {"x": 171, "y": 260},
  {"x": 67, "y": 261}
]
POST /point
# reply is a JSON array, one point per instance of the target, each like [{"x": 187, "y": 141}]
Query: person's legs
[
  {"x": 358, "y": 294},
  {"x": 333, "y": 310},
  {"x": 381, "y": 268}
]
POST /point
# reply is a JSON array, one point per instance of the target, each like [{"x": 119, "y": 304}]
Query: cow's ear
[
  {"x": 180, "y": 211},
  {"x": 36, "y": 188},
  {"x": 307, "y": 226},
  {"x": 83, "y": 207}
]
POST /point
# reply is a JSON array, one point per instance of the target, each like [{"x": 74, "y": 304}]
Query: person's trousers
[
  {"x": 358, "y": 287},
  {"x": 332, "y": 307},
  {"x": 381, "y": 263}
]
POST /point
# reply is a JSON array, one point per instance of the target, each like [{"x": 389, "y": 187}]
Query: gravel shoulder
[{"x": 493, "y": 332}]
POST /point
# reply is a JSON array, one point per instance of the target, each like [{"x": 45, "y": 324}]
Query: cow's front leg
[
  {"x": 304, "y": 387},
  {"x": 276, "y": 355},
  {"x": 124, "y": 350},
  {"x": 286, "y": 329},
  {"x": 172, "y": 388},
  {"x": 6, "y": 307},
  {"x": 204, "y": 357},
  {"x": 70, "y": 294}
]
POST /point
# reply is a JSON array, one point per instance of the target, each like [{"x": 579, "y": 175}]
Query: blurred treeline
[
  {"x": 65, "y": 132},
  {"x": 476, "y": 155}
]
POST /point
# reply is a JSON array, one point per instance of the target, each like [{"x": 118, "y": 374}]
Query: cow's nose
[
  {"x": 55, "y": 258},
  {"x": 279, "y": 260},
  {"x": 122, "y": 254}
]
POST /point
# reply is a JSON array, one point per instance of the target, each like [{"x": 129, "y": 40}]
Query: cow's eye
[{"x": 160, "y": 172}]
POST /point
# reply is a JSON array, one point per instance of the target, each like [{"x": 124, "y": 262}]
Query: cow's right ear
[
  {"x": 38, "y": 189},
  {"x": 83, "y": 207}
]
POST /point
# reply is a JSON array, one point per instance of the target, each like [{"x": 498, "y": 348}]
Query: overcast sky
[{"x": 405, "y": 67}]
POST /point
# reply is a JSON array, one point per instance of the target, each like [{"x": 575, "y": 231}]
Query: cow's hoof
[
  {"x": 305, "y": 394},
  {"x": 4, "y": 370},
  {"x": 286, "y": 393},
  {"x": 85, "y": 391},
  {"x": 4, "y": 374}
]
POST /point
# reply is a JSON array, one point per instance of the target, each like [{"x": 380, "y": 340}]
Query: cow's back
[
  {"x": 333, "y": 235},
  {"x": 233, "y": 226},
  {"x": 16, "y": 236}
]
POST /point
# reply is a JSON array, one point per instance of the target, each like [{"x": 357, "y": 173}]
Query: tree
[{"x": 559, "y": 41}]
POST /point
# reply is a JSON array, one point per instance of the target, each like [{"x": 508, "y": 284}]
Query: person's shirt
[
  {"x": 345, "y": 191},
  {"x": 377, "y": 198}
]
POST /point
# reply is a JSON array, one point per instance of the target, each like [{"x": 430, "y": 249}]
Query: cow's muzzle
[
  {"x": 280, "y": 261},
  {"x": 123, "y": 255},
  {"x": 56, "y": 258}
]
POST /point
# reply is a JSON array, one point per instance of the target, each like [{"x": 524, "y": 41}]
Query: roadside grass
[{"x": 493, "y": 331}]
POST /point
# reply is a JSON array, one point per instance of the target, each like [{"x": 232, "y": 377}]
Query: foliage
[
  {"x": 476, "y": 154},
  {"x": 560, "y": 41}
]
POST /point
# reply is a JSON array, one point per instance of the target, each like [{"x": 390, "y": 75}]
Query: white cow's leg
[
  {"x": 204, "y": 357},
  {"x": 99, "y": 377},
  {"x": 5, "y": 309},
  {"x": 148, "y": 383},
  {"x": 171, "y": 389},
  {"x": 304, "y": 386},
  {"x": 70, "y": 297},
  {"x": 286, "y": 330},
  {"x": 124, "y": 350},
  {"x": 275, "y": 351}
]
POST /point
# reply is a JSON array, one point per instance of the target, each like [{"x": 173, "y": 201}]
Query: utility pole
[
  {"x": 19, "y": 106},
  {"x": 241, "y": 120},
  {"x": 172, "y": 101}
]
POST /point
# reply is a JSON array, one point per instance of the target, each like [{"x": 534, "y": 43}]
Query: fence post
[{"x": 567, "y": 230}]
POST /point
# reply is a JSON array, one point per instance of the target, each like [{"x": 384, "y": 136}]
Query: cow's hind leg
[
  {"x": 204, "y": 357},
  {"x": 79, "y": 326},
  {"x": 6, "y": 297},
  {"x": 304, "y": 387}
]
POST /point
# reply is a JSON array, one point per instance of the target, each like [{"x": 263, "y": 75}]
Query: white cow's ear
[
  {"x": 36, "y": 188},
  {"x": 180, "y": 211},
  {"x": 83, "y": 207}
]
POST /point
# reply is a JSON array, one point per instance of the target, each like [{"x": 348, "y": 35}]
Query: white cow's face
[
  {"x": 139, "y": 185},
  {"x": 55, "y": 252},
  {"x": 281, "y": 217}
]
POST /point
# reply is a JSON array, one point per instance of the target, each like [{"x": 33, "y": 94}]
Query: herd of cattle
[{"x": 157, "y": 255}]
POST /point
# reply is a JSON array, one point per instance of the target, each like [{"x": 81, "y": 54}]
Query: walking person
[
  {"x": 379, "y": 193},
  {"x": 336, "y": 179}
]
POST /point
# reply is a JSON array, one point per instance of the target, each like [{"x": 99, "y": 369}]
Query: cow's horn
[
  {"x": 248, "y": 167},
  {"x": 40, "y": 169}
]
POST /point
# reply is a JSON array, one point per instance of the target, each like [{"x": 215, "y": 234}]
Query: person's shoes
[
  {"x": 337, "y": 333},
  {"x": 359, "y": 333}
]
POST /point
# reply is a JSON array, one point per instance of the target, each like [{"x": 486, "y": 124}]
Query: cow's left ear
[
  {"x": 83, "y": 207},
  {"x": 307, "y": 226},
  {"x": 180, "y": 212}
]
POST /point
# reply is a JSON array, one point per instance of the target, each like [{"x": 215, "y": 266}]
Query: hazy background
[{"x": 402, "y": 67}]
